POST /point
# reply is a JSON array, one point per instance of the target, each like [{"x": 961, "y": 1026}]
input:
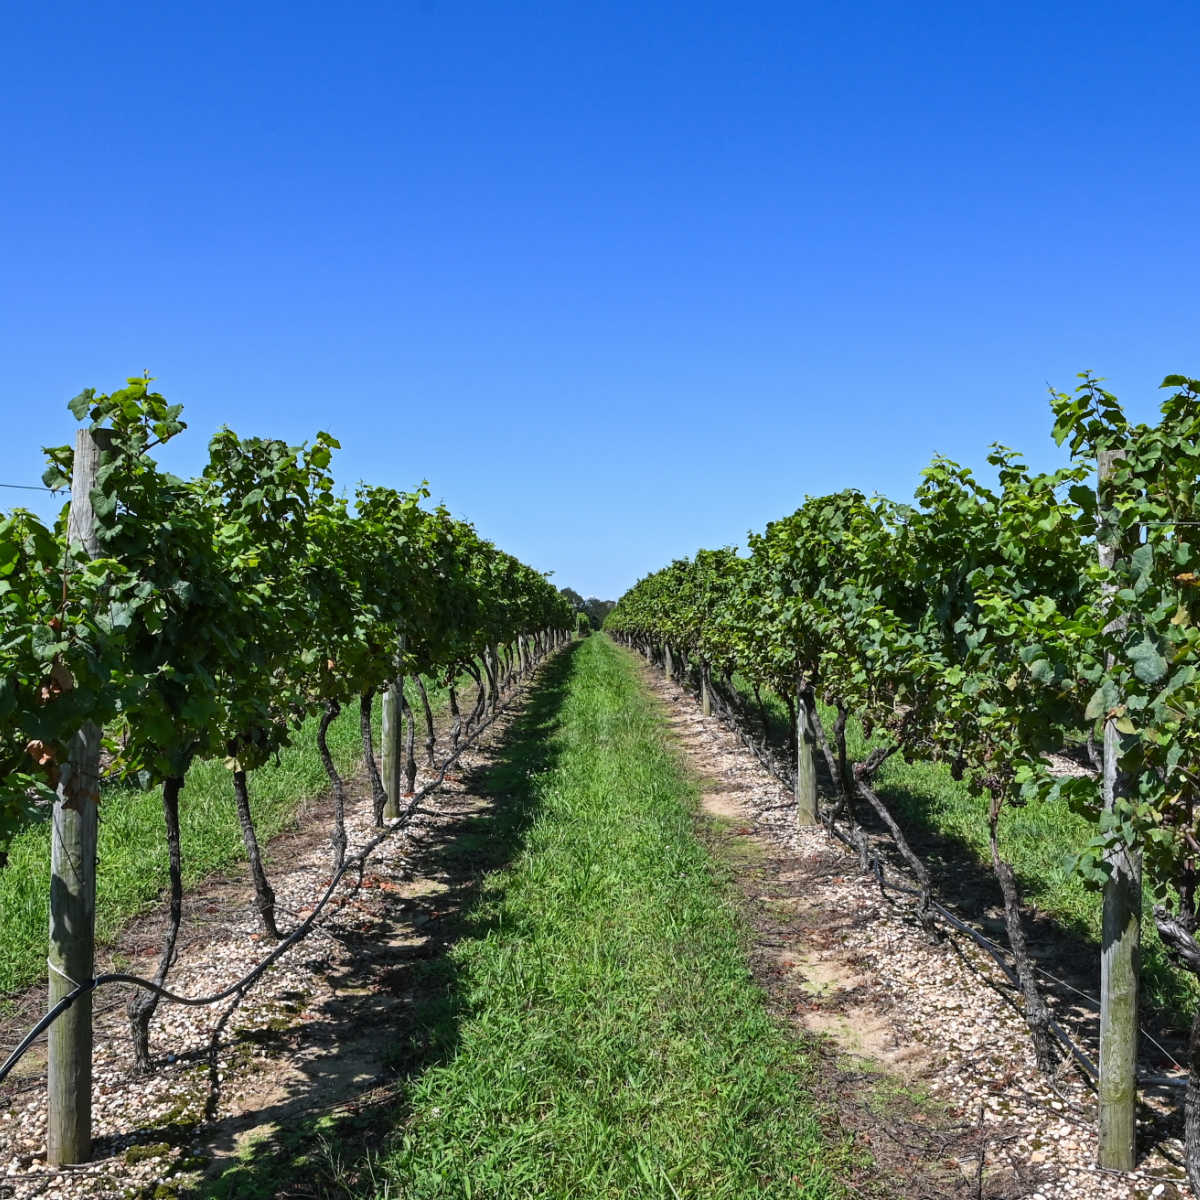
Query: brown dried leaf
[
  {"x": 61, "y": 676},
  {"x": 39, "y": 752}
]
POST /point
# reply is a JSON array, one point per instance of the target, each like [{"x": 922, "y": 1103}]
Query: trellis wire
[{"x": 994, "y": 949}]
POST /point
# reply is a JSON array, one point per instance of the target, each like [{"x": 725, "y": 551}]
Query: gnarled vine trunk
[
  {"x": 480, "y": 697},
  {"x": 338, "y": 838},
  {"x": 1036, "y": 1013},
  {"x": 489, "y": 668},
  {"x": 864, "y": 776},
  {"x": 455, "y": 717},
  {"x": 142, "y": 1002},
  {"x": 793, "y": 740},
  {"x": 762, "y": 709},
  {"x": 430, "y": 736},
  {"x": 839, "y": 772},
  {"x": 378, "y": 792},
  {"x": 410, "y": 741},
  {"x": 264, "y": 896}
]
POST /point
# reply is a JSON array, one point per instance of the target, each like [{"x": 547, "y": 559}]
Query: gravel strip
[
  {"x": 940, "y": 1014},
  {"x": 246, "y": 1065}
]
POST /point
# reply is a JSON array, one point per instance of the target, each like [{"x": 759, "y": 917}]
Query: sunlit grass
[{"x": 608, "y": 1040}]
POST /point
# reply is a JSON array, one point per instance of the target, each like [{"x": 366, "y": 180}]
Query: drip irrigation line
[
  {"x": 994, "y": 949},
  {"x": 354, "y": 862}
]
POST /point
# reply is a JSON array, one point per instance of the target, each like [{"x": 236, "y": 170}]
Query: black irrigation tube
[
  {"x": 997, "y": 952},
  {"x": 298, "y": 934},
  {"x": 993, "y": 948}
]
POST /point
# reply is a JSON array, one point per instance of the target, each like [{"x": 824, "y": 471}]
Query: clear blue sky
[{"x": 620, "y": 280}]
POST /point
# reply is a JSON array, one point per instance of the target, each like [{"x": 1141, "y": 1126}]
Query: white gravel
[
  {"x": 147, "y": 1129},
  {"x": 949, "y": 1014}
]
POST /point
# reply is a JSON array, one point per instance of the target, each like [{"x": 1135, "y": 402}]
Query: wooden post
[
  {"x": 806, "y": 763},
  {"x": 391, "y": 749},
  {"x": 705, "y": 691},
  {"x": 491, "y": 660},
  {"x": 71, "y": 957},
  {"x": 1121, "y": 923},
  {"x": 668, "y": 664}
]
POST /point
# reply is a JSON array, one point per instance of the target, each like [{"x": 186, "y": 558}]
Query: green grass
[
  {"x": 1037, "y": 839},
  {"x": 600, "y": 1034}
]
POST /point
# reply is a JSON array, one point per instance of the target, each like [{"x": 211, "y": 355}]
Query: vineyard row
[
  {"x": 989, "y": 626},
  {"x": 163, "y": 621}
]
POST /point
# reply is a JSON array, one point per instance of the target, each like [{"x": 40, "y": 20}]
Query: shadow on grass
[{"x": 399, "y": 999}]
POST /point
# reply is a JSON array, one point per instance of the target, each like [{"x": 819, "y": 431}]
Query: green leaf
[
  {"x": 1096, "y": 705},
  {"x": 1142, "y": 563},
  {"x": 103, "y": 505},
  {"x": 1042, "y": 671},
  {"x": 82, "y": 403},
  {"x": 1148, "y": 664},
  {"x": 1084, "y": 497}
]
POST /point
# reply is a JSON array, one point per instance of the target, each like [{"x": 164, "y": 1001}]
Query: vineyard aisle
[
  {"x": 602, "y": 1036},
  {"x": 544, "y": 993}
]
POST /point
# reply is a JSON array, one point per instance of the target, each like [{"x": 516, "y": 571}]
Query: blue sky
[{"x": 619, "y": 280}]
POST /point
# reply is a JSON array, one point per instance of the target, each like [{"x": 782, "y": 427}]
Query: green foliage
[
  {"x": 224, "y": 610},
  {"x": 978, "y": 626}
]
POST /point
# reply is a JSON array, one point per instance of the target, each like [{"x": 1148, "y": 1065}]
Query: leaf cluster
[
  {"x": 977, "y": 624},
  {"x": 224, "y": 609}
]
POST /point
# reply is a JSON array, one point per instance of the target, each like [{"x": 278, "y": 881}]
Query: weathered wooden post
[
  {"x": 71, "y": 957},
  {"x": 392, "y": 749},
  {"x": 705, "y": 691},
  {"x": 1121, "y": 923},
  {"x": 806, "y": 763},
  {"x": 668, "y": 662}
]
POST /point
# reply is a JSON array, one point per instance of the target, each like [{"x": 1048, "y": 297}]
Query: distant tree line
[{"x": 595, "y": 610}]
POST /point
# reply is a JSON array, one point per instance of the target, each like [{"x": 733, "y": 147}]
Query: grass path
[{"x": 606, "y": 1038}]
